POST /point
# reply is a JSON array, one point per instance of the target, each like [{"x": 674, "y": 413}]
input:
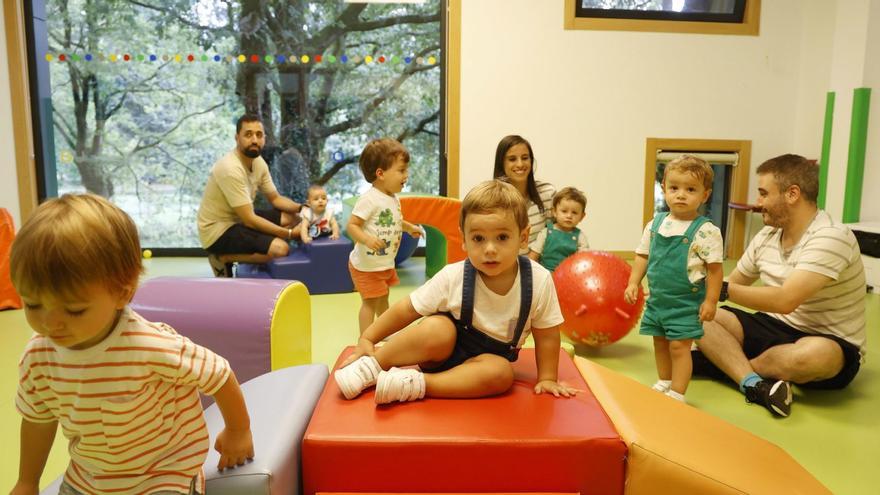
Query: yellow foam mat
[{"x": 675, "y": 448}]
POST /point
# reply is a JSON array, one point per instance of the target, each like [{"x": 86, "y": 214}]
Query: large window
[{"x": 135, "y": 99}]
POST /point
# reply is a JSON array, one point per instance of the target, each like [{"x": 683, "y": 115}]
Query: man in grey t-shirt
[{"x": 809, "y": 328}]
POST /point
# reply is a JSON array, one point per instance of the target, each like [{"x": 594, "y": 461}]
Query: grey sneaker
[
  {"x": 775, "y": 396},
  {"x": 223, "y": 270},
  {"x": 357, "y": 376},
  {"x": 400, "y": 385}
]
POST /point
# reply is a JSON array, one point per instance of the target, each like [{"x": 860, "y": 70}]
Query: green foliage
[{"x": 146, "y": 133}]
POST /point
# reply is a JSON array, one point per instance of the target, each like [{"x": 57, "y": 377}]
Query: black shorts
[
  {"x": 239, "y": 239},
  {"x": 471, "y": 343},
  {"x": 762, "y": 331}
]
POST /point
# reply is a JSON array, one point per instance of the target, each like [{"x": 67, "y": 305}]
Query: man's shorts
[
  {"x": 762, "y": 331},
  {"x": 239, "y": 239},
  {"x": 373, "y": 284}
]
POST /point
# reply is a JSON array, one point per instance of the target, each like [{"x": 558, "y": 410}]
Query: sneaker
[
  {"x": 401, "y": 385},
  {"x": 775, "y": 396},
  {"x": 703, "y": 367},
  {"x": 357, "y": 376},
  {"x": 223, "y": 270},
  {"x": 672, "y": 394},
  {"x": 661, "y": 386}
]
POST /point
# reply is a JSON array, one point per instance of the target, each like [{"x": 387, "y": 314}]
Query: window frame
[{"x": 750, "y": 26}]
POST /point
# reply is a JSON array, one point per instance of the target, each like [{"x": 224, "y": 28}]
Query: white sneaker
[
  {"x": 401, "y": 385},
  {"x": 357, "y": 376},
  {"x": 662, "y": 386},
  {"x": 675, "y": 395}
]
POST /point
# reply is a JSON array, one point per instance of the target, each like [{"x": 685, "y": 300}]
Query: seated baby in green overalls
[{"x": 561, "y": 238}]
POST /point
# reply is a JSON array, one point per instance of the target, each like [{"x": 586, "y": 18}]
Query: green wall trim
[
  {"x": 826, "y": 148},
  {"x": 855, "y": 164}
]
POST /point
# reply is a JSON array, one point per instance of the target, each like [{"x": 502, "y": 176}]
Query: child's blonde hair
[
  {"x": 73, "y": 241},
  {"x": 693, "y": 165},
  {"x": 491, "y": 196},
  {"x": 571, "y": 194},
  {"x": 380, "y": 154}
]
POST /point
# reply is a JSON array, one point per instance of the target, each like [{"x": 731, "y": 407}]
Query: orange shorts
[{"x": 373, "y": 284}]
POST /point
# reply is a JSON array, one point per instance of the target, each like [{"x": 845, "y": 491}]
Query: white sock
[
  {"x": 675, "y": 395},
  {"x": 662, "y": 385}
]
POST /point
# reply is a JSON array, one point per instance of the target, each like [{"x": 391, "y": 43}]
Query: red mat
[{"x": 517, "y": 442}]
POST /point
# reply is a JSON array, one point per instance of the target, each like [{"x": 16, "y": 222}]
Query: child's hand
[
  {"x": 25, "y": 489},
  {"x": 555, "y": 388},
  {"x": 707, "y": 311},
  {"x": 413, "y": 230},
  {"x": 375, "y": 243},
  {"x": 364, "y": 348},
  {"x": 631, "y": 294},
  {"x": 334, "y": 235},
  {"x": 306, "y": 239},
  {"x": 235, "y": 447}
]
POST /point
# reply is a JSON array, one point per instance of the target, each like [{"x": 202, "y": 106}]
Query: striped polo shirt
[
  {"x": 828, "y": 248},
  {"x": 538, "y": 220},
  {"x": 129, "y": 406}
]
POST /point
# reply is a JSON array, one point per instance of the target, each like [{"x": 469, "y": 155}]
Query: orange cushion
[
  {"x": 517, "y": 442},
  {"x": 440, "y": 213},
  {"x": 675, "y": 448},
  {"x": 8, "y": 297}
]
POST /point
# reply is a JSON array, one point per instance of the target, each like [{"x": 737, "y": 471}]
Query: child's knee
[
  {"x": 438, "y": 334},
  {"x": 498, "y": 377}
]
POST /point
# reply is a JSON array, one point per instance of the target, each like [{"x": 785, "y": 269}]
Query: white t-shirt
[
  {"x": 494, "y": 314},
  {"x": 828, "y": 248},
  {"x": 229, "y": 186},
  {"x": 318, "y": 224},
  {"x": 383, "y": 219},
  {"x": 708, "y": 247}
]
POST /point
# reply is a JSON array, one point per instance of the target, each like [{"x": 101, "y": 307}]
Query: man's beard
[
  {"x": 777, "y": 216},
  {"x": 251, "y": 152}
]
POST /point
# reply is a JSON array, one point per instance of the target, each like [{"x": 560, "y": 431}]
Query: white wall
[
  {"x": 8, "y": 181},
  {"x": 871, "y": 189},
  {"x": 587, "y": 100}
]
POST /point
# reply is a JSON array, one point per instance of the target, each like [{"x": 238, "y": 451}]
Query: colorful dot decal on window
[
  {"x": 338, "y": 156},
  {"x": 65, "y": 156},
  {"x": 243, "y": 58}
]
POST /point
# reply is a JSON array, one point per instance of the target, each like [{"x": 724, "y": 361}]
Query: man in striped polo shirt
[{"x": 809, "y": 324}]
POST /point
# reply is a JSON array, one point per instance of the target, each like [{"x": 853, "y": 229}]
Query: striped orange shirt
[{"x": 129, "y": 406}]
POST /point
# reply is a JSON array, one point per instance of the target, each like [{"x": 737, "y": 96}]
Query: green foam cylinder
[
  {"x": 855, "y": 164},
  {"x": 826, "y": 148}
]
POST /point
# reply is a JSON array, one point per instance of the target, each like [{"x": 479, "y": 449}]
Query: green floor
[{"x": 829, "y": 433}]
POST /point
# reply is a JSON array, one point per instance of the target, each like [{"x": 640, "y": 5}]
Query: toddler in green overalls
[
  {"x": 681, "y": 251},
  {"x": 562, "y": 238}
]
